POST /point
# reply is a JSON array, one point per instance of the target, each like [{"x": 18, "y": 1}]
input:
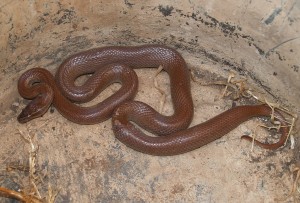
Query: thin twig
[
  {"x": 278, "y": 45},
  {"x": 163, "y": 98},
  {"x": 295, "y": 187}
]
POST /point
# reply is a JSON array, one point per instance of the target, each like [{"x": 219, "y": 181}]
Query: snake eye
[{"x": 36, "y": 108}]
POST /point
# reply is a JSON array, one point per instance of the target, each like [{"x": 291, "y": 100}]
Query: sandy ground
[{"x": 257, "y": 40}]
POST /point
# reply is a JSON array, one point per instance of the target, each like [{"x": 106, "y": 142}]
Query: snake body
[{"x": 114, "y": 64}]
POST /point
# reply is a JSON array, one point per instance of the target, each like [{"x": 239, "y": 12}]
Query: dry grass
[
  {"x": 33, "y": 180},
  {"x": 240, "y": 89}
]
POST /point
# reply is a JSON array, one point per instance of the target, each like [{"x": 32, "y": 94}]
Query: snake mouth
[
  {"x": 31, "y": 112},
  {"x": 24, "y": 116}
]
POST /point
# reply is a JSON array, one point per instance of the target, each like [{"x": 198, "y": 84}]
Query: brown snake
[{"x": 113, "y": 64}]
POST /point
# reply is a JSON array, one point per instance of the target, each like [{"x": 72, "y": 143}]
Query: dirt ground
[{"x": 256, "y": 40}]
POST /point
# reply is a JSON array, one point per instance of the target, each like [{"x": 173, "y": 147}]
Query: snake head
[{"x": 36, "y": 108}]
